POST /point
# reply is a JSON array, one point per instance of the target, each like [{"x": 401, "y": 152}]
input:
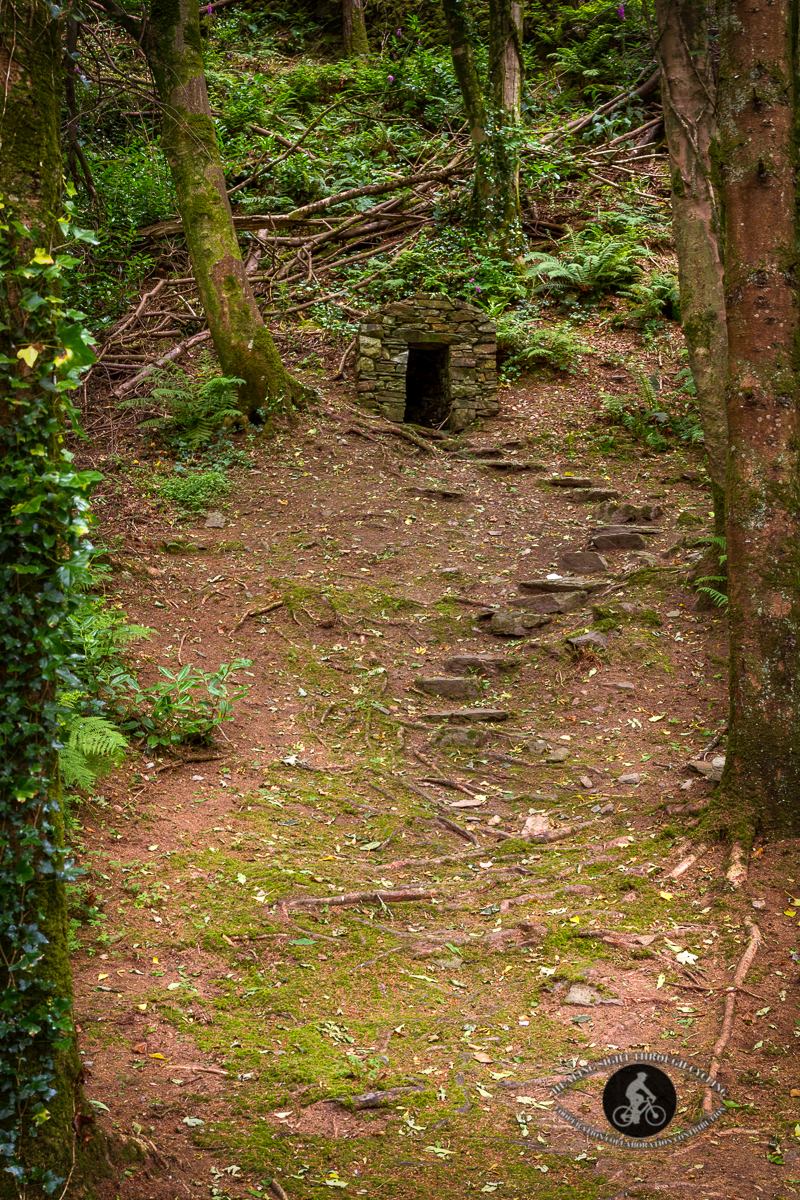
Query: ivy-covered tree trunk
[
  {"x": 504, "y": 127},
  {"x": 757, "y": 113},
  {"x": 244, "y": 347},
  {"x": 354, "y": 28},
  {"x": 688, "y": 94},
  {"x": 493, "y": 113},
  {"x": 41, "y": 523}
]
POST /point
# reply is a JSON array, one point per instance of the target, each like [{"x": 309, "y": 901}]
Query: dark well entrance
[{"x": 427, "y": 400}]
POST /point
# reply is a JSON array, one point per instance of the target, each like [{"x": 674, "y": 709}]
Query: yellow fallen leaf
[
  {"x": 99, "y": 977},
  {"x": 660, "y": 717},
  {"x": 789, "y": 912},
  {"x": 574, "y": 920},
  {"x": 142, "y": 1007},
  {"x": 665, "y": 895},
  {"x": 156, "y": 1056},
  {"x": 660, "y": 982}
]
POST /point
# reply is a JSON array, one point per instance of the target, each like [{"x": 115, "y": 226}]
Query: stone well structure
[{"x": 428, "y": 361}]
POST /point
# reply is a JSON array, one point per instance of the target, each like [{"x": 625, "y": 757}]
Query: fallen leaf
[
  {"x": 193, "y": 1121},
  {"x": 99, "y": 977},
  {"x": 686, "y": 958},
  {"x": 666, "y": 895},
  {"x": 142, "y": 1007},
  {"x": 660, "y": 717},
  {"x": 482, "y": 1058},
  {"x": 99, "y": 1104},
  {"x": 156, "y": 1056},
  {"x": 660, "y": 982},
  {"x": 140, "y": 1048},
  {"x": 789, "y": 912}
]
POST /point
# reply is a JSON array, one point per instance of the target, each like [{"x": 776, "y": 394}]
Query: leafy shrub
[
  {"x": 194, "y": 409},
  {"x": 136, "y": 186},
  {"x": 193, "y": 491},
  {"x": 653, "y": 299},
  {"x": 180, "y": 709},
  {"x": 594, "y": 262}
]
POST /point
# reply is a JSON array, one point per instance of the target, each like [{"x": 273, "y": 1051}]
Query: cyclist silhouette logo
[{"x": 639, "y": 1100}]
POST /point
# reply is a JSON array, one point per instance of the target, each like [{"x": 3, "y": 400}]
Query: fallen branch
[
  {"x": 745, "y": 963},
  {"x": 454, "y": 828},
  {"x": 340, "y": 372},
  {"x": 274, "y": 1186},
  {"x": 171, "y": 356},
  {"x": 257, "y": 612},
  {"x": 359, "y": 898},
  {"x": 377, "y": 189}
]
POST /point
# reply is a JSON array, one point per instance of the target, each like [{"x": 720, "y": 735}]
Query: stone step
[
  {"x": 509, "y": 467},
  {"x": 435, "y": 493},
  {"x": 570, "y": 481},
  {"x": 621, "y": 540},
  {"x": 588, "y": 641},
  {"x": 462, "y": 715},
  {"x": 482, "y": 664},
  {"x": 574, "y": 584},
  {"x": 594, "y": 495},
  {"x": 555, "y": 602},
  {"x": 516, "y": 624},
  {"x": 479, "y": 453},
  {"x": 625, "y": 513},
  {"x": 582, "y": 561},
  {"x": 647, "y": 530},
  {"x": 455, "y": 687}
]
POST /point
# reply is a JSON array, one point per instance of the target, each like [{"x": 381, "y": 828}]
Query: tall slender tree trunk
[
  {"x": 493, "y": 113},
  {"x": 244, "y": 347},
  {"x": 758, "y": 156},
  {"x": 34, "y": 1070},
  {"x": 354, "y": 28},
  {"x": 688, "y": 93}
]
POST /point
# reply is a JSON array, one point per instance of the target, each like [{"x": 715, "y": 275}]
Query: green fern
[
  {"x": 706, "y": 583},
  {"x": 94, "y": 748},
  {"x": 193, "y": 411},
  {"x": 593, "y": 263}
]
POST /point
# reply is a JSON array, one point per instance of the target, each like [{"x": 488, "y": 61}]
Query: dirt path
[{"x": 405, "y": 1044}]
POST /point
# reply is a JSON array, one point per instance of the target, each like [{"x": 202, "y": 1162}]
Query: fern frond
[{"x": 93, "y": 749}]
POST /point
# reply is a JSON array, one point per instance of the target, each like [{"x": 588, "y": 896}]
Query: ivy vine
[{"x": 44, "y": 552}]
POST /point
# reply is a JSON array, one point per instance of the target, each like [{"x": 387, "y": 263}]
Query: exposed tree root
[
  {"x": 745, "y": 962},
  {"x": 689, "y": 861},
  {"x": 358, "y": 898},
  {"x": 736, "y": 873}
]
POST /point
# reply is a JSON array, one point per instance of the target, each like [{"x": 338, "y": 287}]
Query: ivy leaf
[{"x": 28, "y": 354}]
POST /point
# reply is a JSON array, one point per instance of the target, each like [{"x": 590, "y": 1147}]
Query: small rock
[
  {"x": 583, "y": 995},
  {"x": 583, "y": 562},
  {"x": 711, "y": 770},
  {"x": 460, "y": 739},
  {"x": 538, "y": 746},
  {"x": 693, "y": 476},
  {"x": 556, "y": 602},
  {"x": 495, "y": 820},
  {"x": 515, "y": 624},
  {"x": 569, "y": 481},
  {"x": 759, "y": 904},
  {"x": 676, "y": 612},
  {"x": 482, "y": 664},
  {"x": 454, "y": 688},
  {"x": 450, "y": 572},
  {"x": 621, "y": 685},
  {"x": 688, "y": 520},
  {"x": 468, "y": 714},
  {"x": 618, "y": 541},
  {"x": 584, "y": 641},
  {"x": 633, "y": 778},
  {"x": 586, "y": 782},
  {"x": 559, "y": 755},
  {"x": 579, "y": 889},
  {"x": 215, "y": 520},
  {"x": 540, "y": 823}
]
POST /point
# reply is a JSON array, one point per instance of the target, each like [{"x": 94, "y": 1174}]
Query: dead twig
[
  {"x": 454, "y": 828},
  {"x": 258, "y": 611}
]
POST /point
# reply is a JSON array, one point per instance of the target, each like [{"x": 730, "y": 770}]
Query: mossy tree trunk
[
  {"x": 30, "y": 188},
  {"x": 688, "y": 93},
  {"x": 493, "y": 113},
  {"x": 757, "y": 113},
  {"x": 354, "y": 28},
  {"x": 172, "y": 44}
]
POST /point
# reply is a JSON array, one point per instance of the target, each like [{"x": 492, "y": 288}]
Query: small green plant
[
  {"x": 653, "y": 420},
  {"x": 524, "y": 345},
  {"x": 714, "y": 585},
  {"x": 657, "y": 298},
  {"x": 592, "y": 263},
  {"x": 94, "y": 747},
  {"x": 193, "y": 491},
  {"x": 180, "y": 709},
  {"x": 193, "y": 410}
]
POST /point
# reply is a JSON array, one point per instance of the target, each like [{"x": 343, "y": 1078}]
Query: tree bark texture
[
  {"x": 456, "y": 16},
  {"x": 758, "y": 158},
  {"x": 688, "y": 93},
  {"x": 244, "y": 347},
  {"x": 354, "y": 28},
  {"x": 30, "y": 188}
]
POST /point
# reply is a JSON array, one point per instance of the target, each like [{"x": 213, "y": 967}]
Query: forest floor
[{"x": 240, "y": 1014}]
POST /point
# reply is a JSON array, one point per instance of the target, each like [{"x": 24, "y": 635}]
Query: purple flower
[
  {"x": 209, "y": 10},
  {"x": 391, "y": 79},
  {"x": 621, "y": 11},
  {"x": 399, "y": 32}
]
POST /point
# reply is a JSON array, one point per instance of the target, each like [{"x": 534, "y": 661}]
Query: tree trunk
[
  {"x": 688, "y": 93},
  {"x": 493, "y": 118},
  {"x": 354, "y": 28},
  {"x": 39, "y": 1064},
  {"x": 504, "y": 93},
  {"x": 244, "y": 347},
  {"x": 758, "y": 153}
]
